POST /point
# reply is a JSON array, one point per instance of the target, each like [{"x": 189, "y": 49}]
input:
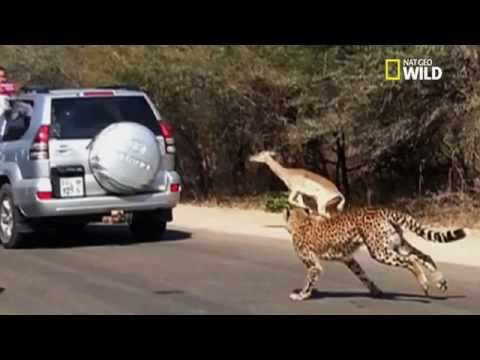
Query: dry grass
[
  {"x": 442, "y": 210},
  {"x": 446, "y": 209},
  {"x": 244, "y": 203}
]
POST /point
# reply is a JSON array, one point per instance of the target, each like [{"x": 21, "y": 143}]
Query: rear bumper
[{"x": 32, "y": 207}]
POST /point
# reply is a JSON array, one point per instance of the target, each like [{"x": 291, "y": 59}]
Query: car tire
[
  {"x": 11, "y": 220},
  {"x": 147, "y": 227}
]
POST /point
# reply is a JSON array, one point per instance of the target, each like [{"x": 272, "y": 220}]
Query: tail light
[
  {"x": 167, "y": 134},
  {"x": 175, "y": 188},
  {"x": 44, "y": 195},
  {"x": 39, "y": 149}
]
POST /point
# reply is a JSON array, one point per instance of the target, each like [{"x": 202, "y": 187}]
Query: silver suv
[{"x": 73, "y": 156}]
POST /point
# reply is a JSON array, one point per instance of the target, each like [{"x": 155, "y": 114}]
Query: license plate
[{"x": 71, "y": 187}]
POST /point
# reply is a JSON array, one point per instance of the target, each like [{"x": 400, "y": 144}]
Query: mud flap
[{"x": 23, "y": 226}]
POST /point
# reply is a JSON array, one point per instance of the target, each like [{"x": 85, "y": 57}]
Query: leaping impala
[{"x": 303, "y": 182}]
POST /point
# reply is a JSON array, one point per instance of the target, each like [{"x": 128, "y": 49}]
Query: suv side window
[{"x": 17, "y": 120}]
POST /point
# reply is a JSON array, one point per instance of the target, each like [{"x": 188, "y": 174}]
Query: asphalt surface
[{"x": 200, "y": 272}]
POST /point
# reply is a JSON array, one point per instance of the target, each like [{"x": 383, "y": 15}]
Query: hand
[{"x": 7, "y": 89}]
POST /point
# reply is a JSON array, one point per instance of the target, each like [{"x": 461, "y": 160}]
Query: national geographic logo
[{"x": 411, "y": 69}]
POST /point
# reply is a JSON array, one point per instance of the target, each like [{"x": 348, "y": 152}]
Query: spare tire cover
[{"x": 124, "y": 158}]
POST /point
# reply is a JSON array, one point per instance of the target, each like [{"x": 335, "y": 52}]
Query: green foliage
[
  {"x": 276, "y": 202},
  {"x": 227, "y": 102}
]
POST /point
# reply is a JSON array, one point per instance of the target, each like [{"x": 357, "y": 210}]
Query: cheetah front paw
[{"x": 298, "y": 297}]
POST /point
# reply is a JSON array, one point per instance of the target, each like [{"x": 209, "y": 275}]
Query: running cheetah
[{"x": 380, "y": 230}]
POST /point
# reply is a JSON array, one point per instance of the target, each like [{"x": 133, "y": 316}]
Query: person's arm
[{"x": 8, "y": 89}]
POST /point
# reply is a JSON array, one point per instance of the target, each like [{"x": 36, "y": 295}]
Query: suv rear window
[{"x": 84, "y": 118}]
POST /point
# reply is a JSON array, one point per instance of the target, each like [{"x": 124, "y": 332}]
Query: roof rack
[
  {"x": 36, "y": 89},
  {"x": 40, "y": 89},
  {"x": 120, "y": 87}
]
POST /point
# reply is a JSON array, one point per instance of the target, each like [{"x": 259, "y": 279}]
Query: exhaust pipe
[{"x": 116, "y": 217}]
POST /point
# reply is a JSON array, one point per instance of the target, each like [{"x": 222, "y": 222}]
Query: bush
[{"x": 276, "y": 202}]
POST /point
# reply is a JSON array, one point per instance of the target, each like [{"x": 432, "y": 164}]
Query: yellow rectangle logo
[{"x": 392, "y": 64}]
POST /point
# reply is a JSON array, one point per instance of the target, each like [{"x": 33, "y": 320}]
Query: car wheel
[{"x": 10, "y": 220}]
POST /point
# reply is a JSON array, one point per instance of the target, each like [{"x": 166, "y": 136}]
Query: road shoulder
[{"x": 263, "y": 224}]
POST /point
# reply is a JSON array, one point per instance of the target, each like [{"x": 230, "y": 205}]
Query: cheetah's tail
[{"x": 411, "y": 224}]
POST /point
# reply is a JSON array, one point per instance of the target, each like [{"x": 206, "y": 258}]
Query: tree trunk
[{"x": 342, "y": 165}]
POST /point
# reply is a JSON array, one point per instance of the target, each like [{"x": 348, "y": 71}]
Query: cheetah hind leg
[
  {"x": 392, "y": 258},
  {"x": 425, "y": 260},
  {"x": 357, "y": 270}
]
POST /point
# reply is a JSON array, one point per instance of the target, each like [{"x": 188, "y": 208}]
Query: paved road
[{"x": 102, "y": 272}]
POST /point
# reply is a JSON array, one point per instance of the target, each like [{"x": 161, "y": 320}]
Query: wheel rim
[{"x": 6, "y": 220}]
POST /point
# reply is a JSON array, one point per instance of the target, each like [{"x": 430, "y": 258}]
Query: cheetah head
[{"x": 292, "y": 215}]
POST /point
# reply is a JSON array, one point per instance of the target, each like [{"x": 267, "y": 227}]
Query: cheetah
[{"x": 380, "y": 230}]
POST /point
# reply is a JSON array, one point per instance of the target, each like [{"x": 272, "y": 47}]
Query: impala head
[{"x": 263, "y": 156}]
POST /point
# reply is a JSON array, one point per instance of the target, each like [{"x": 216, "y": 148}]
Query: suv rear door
[{"x": 75, "y": 121}]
